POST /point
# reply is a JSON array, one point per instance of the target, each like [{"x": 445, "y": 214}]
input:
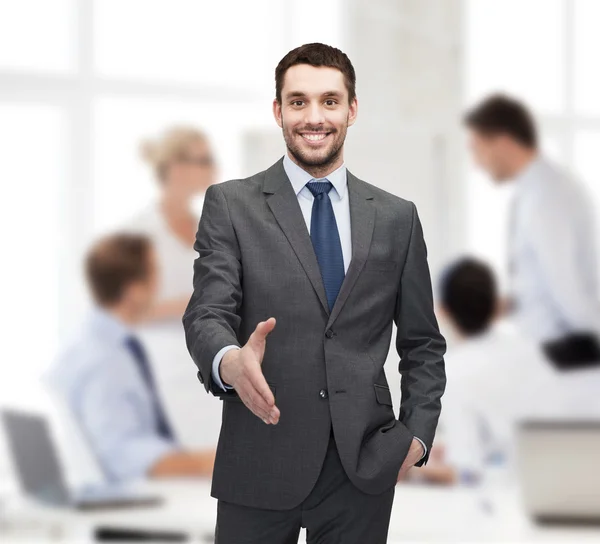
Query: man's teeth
[{"x": 314, "y": 137}]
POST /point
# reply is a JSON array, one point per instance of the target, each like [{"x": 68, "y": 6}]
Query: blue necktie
[
  {"x": 162, "y": 423},
  {"x": 326, "y": 239}
]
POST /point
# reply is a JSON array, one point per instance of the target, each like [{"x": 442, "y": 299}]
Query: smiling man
[{"x": 301, "y": 272}]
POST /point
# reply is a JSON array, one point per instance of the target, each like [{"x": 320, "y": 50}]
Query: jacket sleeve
[
  {"x": 211, "y": 320},
  {"x": 419, "y": 343}
]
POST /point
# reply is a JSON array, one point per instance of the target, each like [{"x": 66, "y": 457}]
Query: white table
[
  {"x": 420, "y": 514},
  {"x": 436, "y": 514}
]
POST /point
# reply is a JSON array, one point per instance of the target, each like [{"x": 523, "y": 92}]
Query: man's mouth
[{"x": 314, "y": 137}]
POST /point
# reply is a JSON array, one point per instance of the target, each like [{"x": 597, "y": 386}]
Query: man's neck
[
  {"x": 176, "y": 203},
  {"x": 462, "y": 337},
  {"x": 523, "y": 160},
  {"x": 319, "y": 172},
  {"x": 123, "y": 314}
]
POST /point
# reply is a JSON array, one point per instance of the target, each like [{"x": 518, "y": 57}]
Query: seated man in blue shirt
[{"x": 106, "y": 378}]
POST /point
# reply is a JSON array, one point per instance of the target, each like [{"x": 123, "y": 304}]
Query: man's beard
[{"x": 305, "y": 159}]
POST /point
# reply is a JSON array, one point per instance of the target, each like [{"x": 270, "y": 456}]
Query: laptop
[
  {"x": 558, "y": 464},
  {"x": 39, "y": 471}
]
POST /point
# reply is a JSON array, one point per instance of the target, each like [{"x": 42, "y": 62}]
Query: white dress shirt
[
  {"x": 495, "y": 379},
  {"x": 552, "y": 254},
  {"x": 173, "y": 254},
  {"x": 341, "y": 209}
]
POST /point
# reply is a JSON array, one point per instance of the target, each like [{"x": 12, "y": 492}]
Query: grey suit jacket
[{"x": 256, "y": 260}]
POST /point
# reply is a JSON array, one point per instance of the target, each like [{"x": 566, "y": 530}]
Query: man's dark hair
[
  {"x": 468, "y": 292},
  {"x": 317, "y": 54},
  {"x": 113, "y": 263},
  {"x": 501, "y": 114}
]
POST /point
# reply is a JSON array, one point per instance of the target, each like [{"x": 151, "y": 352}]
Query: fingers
[
  {"x": 258, "y": 397},
  {"x": 257, "y": 406},
  {"x": 263, "y": 398},
  {"x": 263, "y": 390}
]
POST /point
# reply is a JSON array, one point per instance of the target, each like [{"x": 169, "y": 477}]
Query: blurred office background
[{"x": 83, "y": 82}]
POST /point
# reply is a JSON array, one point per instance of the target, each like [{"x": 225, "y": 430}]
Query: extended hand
[
  {"x": 414, "y": 454},
  {"x": 242, "y": 370}
]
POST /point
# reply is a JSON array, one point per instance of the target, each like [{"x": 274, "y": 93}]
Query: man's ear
[
  {"x": 277, "y": 112},
  {"x": 353, "y": 111},
  {"x": 502, "y": 307}
]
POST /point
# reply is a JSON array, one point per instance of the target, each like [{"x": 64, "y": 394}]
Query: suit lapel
[
  {"x": 284, "y": 205},
  {"x": 283, "y": 202},
  {"x": 362, "y": 222}
]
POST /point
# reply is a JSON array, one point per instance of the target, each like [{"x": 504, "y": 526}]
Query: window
[
  {"x": 508, "y": 41},
  {"x": 542, "y": 51},
  {"x": 587, "y": 144},
  {"x": 224, "y": 44},
  {"x": 34, "y": 162},
  {"x": 585, "y": 61},
  {"x": 37, "y": 35}
]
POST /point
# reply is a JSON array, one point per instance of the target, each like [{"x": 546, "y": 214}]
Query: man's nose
[{"x": 314, "y": 115}]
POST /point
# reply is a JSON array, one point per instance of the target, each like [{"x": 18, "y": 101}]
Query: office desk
[
  {"x": 419, "y": 514},
  {"x": 187, "y": 507},
  {"x": 435, "y": 514}
]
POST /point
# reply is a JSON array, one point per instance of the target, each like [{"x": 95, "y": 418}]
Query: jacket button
[
  {"x": 329, "y": 333},
  {"x": 323, "y": 393}
]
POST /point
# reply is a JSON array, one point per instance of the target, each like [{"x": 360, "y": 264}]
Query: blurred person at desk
[
  {"x": 495, "y": 378},
  {"x": 183, "y": 165},
  {"x": 552, "y": 245},
  {"x": 105, "y": 377}
]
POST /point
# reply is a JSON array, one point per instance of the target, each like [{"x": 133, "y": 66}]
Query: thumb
[
  {"x": 258, "y": 337},
  {"x": 264, "y": 328}
]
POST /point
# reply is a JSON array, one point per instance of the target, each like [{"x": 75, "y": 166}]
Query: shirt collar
[
  {"x": 108, "y": 326},
  {"x": 299, "y": 177},
  {"x": 530, "y": 172}
]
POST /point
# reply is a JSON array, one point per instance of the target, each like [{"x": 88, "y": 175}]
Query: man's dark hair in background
[
  {"x": 502, "y": 115},
  {"x": 469, "y": 295}
]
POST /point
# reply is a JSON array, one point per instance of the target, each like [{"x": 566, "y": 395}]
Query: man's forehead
[{"x": 311, "y": 80}]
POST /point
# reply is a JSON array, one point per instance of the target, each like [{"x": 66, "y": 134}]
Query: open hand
[{"x": 242, "y": 370}]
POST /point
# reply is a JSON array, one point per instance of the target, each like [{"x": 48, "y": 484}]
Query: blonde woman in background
[{"x": 184, "y": 167}]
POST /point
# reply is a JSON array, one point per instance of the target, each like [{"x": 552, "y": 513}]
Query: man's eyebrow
[
  {"x": 300, "y": 94},
  {"x": 295, "y": 94}
]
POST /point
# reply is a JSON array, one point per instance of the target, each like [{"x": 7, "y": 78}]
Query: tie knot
[{"x": 319, "y": 187}]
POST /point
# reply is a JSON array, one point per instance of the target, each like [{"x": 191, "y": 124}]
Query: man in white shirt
[{"x": 553, "y": 266}]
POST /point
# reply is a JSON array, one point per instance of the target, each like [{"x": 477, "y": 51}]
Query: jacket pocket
[{"x": 383, "y": 394}]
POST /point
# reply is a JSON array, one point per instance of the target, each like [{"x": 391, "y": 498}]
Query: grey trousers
[{"x": 335, "y": 512}]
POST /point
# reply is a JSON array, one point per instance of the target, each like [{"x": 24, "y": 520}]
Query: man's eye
[
  {"x": 297, "y": 103},
  {"x": 330, "y": 102}
]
